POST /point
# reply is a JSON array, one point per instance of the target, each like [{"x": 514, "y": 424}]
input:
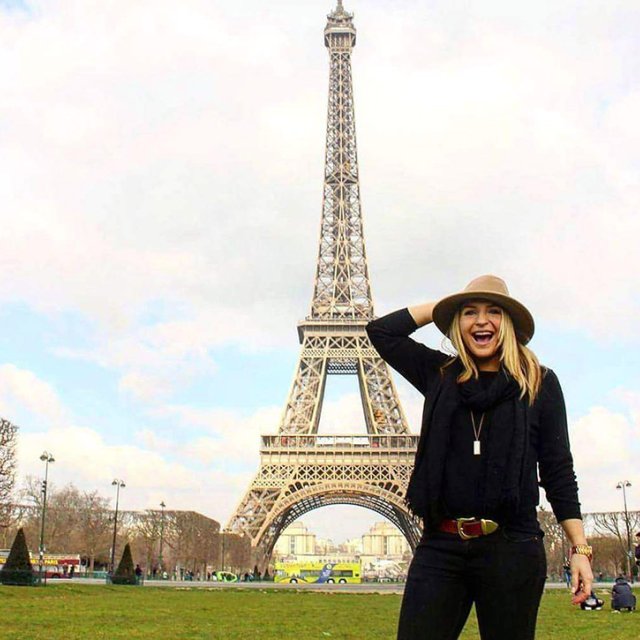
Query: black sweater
[{"x": 549, "y": 439}]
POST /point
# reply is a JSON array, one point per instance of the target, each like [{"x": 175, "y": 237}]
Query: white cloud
[
  {"x": 631, "y": 399},
  {"x": 156, "y": 359},
  {"x": 605, "y": 448},
  {"x": 179, "y": 159},
  {"x": 149, "y": 439},
  {"x": 143, "y": 387},
  {"x": 229, "y": 436},
  {"x": 82, "y": 453},
  {"x": 154, "y": 468},
  {"x": 344, "y": 413},
  {"x": 21, "y": 390},
  {"x": 84, "y": 458}
]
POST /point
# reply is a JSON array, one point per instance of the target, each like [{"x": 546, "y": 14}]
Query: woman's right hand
[{"x": 422, "y": 313}]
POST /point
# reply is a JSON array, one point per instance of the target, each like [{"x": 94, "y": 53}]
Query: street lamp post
[
  {"x": 223, "y": 536},
  {"x": 46, "y": 458},
  {"x": 623, "y": 484},
  {"x": 162, "y": 506},
  {"x": 118, "y": 484}
]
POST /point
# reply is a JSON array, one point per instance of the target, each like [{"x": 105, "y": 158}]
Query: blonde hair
[{"x": 517, "y": 359}]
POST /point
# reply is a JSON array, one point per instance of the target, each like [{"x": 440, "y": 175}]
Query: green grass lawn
[{"x": 73, "y": 611}]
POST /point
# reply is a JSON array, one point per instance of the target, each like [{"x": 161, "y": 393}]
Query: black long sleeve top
[{"x": 549, "y": 439}]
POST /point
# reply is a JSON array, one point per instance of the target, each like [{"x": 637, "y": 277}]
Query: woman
[{"x": 492, "y": 417}]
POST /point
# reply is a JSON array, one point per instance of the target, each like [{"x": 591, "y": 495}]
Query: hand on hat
[{"x": 422, "y": 313}]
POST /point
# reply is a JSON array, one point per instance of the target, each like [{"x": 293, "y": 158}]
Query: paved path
[{"x": 365, "y": 587}]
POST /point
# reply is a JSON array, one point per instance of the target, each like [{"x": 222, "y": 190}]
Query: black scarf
[{"x": 503, "y": 456}]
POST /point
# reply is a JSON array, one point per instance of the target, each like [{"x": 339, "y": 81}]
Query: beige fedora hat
[{"x": 489, "y": 288}]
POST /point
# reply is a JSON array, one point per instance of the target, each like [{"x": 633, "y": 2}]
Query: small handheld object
[{"x": 592, "y": 603}]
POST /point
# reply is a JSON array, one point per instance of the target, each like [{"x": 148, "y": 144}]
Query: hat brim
[{"x": 445, "y": 310}]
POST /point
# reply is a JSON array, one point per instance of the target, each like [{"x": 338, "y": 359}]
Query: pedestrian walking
[
  {"x": 566, "y": 569},
  {"x": 493, "y": 417}
]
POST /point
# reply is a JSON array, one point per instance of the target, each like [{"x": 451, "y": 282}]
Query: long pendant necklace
[{"x": 476, "y": 432}]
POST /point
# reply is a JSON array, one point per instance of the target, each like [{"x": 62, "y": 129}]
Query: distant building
[
  {"x": 384, "y": 540},
  {"x": 385, "y": 553},
  {"x": 326, "y": 547},
  {"x": 352, "y": 547},
  {"x": 295, "y": 540}
]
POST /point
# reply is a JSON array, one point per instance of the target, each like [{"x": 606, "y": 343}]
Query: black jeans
[{"x": 502, "y": 573}]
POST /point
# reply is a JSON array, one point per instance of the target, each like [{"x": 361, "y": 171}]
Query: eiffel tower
[{"x": 300, "y": 469}]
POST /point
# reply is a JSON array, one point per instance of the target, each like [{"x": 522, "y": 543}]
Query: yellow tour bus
[{"x": 318, "y": 572}]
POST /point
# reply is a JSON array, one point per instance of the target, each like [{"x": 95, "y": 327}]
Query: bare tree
[
  {"x": 94, "y": 526},
  {"x": 238, "y": 552},
  {"x": 191, "y": 541},
  {"x": 614, "y": 523},
  {"x": 608, "y": 556},
  {"x": 77, "y": 521},
  {"x": 30, "y": 497},
  {"x": 555, "y": 542},
  {"x": 17, "y": 514},
  {"x": 195, "y": 538},
  {"x": 62, "y": 522},
  {"x": 8, "y": 441},
  {"x": 144, "y": 533}
]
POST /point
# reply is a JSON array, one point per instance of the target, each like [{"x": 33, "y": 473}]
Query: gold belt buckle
[
  {"x": 487, "y": 526},
  {"x": 460, "y": 522}
]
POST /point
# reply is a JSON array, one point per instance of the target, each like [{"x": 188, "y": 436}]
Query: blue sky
[{"x": 161, "y": 185}]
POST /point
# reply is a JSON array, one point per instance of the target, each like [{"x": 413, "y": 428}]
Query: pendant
[{"x": 476, "y": 447}]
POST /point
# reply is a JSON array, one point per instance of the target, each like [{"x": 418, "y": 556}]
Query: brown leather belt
[{"x": 468, "y": 528}]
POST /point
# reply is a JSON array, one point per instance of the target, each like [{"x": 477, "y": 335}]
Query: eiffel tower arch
[{"x": 300, "y": 469}]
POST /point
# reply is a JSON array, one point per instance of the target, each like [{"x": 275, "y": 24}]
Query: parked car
[
  {"x": 53, "y": 573},
  {"x": 225, "y": 576}
]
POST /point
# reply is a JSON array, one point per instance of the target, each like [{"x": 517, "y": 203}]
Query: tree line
[{"x": 82, "y": 522}]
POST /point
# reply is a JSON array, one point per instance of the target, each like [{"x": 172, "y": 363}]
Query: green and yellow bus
[{"x": 318, "y": 572}]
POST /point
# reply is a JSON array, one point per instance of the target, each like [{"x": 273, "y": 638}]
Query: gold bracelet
[{"x": 582, "y": 550}]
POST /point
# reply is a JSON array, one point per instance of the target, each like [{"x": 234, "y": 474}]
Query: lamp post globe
[
  {"x": 118, "y": 484},
  {"x": 47, "y": 458}
]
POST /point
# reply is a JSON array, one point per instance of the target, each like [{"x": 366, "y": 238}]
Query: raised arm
[{"x": 415, "y": 362}]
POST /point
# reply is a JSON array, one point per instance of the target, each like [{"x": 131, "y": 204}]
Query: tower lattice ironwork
[{"x": 301, "y": 470}]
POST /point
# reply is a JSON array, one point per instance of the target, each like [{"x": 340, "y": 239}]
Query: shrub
[
  {"x": 17, "y": 569},
  {"x": 125, "y": 573}
]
